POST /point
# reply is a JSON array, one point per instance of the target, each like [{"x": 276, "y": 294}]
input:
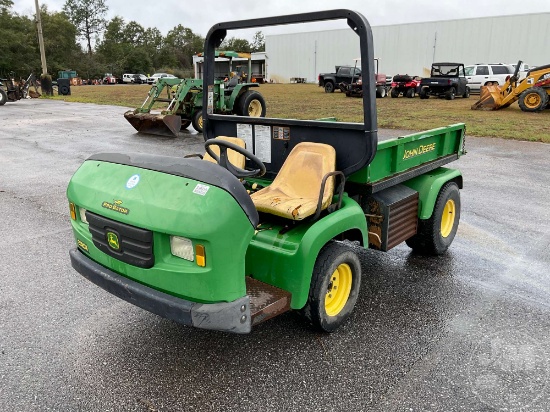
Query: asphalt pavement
[{"x": 466, "y": 331}]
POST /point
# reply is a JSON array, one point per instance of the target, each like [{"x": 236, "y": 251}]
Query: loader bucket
[
  {"x": 157, "y": 124},
  {"x": 489, "y": 98}
]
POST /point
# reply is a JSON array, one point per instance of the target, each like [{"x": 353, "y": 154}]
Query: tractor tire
[
  {"x": 533, "y": 99},
  {"x": 435, "y": 235},
  {"x": 410, "y": 93},
  {"x": 424, "y": 93},
  {"x": 251, "y": 103},
  {"x": 3, "y": 97},
  {"x": 335, "y": 285},
  {"x": 185, "y": 124},
  {"x": 381, "y": 92},
  {"x": 197, "y": 121},
  {"x": 466, "y": 93},
  {"x": 450, "y": 94},
  {"x": 394, "y": 93},
  {"x": 329, "y": 87}
]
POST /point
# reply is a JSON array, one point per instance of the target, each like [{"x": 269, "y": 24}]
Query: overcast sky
[{"x": 200, "y": 16}]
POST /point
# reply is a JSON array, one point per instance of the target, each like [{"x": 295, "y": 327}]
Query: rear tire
[
  {"x": 329, "y": 87},
  {"x": 424, "y": 93},
  {"x": 435, "y": 235},
  {"x": 533, "y": 99},
  {"x": 334, "y": 289},
  {"x": 450, "y": 94},
  {"x": 410, "y": 93},
  {"x": 197, "y": 121},
  {"x": 3, "y": 97},
  {"x": 394, "y": 93},
  {"x": 251, "y": 103},
  {"x": 381, "y": 92}
]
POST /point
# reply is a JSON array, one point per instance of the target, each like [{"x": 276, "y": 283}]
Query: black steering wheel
[{"x": 224, "y": 162}]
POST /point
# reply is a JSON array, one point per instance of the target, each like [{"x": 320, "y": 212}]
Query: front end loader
[{"x": 532, "y": 93}]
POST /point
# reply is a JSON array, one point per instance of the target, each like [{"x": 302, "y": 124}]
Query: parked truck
[
  {"x": 349, "y": 78},
  {"x": 274, "y": 215}
]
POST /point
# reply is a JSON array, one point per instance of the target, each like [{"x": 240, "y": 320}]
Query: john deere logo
[{"x": 112, "y": 240}]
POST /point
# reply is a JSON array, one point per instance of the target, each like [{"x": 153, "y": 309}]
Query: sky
[{"x": 200, "y": 17}]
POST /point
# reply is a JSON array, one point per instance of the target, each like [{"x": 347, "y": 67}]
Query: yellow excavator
[{"x": 532, "y": 93}]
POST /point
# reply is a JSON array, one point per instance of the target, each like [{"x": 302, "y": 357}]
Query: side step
[{"x": 266, "y": 301}]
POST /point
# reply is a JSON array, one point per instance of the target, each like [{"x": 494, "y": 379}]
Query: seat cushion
[{"x": 295, "y": 191}]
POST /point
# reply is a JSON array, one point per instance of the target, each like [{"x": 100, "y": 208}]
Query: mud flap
[
  {"x": 490, "y": 98},
  {"x": 157, "y": 124}
]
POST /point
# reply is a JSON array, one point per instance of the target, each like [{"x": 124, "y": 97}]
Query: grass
[{"x": 307, "y": 101}]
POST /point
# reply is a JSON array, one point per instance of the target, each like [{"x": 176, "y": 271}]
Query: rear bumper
[{"x": 225, "y": 316}]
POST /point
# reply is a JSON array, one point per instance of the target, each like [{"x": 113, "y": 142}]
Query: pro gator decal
[{"x": 115, "y": 206}]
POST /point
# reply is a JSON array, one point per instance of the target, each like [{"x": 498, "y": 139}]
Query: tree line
[{"x": 110, "y": 46}]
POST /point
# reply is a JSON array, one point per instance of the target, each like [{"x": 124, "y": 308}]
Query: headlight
[
  {"x": 82, "y": 212},
  {"x": 182, "y": 247}
]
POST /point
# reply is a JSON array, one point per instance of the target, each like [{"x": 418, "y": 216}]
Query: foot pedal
[{"x": 266, "y": 301}]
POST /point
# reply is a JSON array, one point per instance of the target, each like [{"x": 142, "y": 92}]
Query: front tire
[
  {"x": 334, "y": 289},
  {"x": 185, "y": 124},
  {"x": 394, "y": 93},
  {"x": 466, "y": 93},
  {"x": 410, "y": 93},
  {"x": 197, "y": 121},
  {"x": 381, "y": 92},
  {"x": 252, "y": 104},
  {"x": 450, "y": 94},
  {"x": 533, "y": 99},
  {"x": 435, "y": 235},
  {"x": 3, "y": 97}
]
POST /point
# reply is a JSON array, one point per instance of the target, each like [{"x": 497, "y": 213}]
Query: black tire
[
  {"x": 533, "y": 99},
  {"x": 197, "y": 121},
  {"x": 466, "y": 93},
  {"x": 329, "y": 87},
  {"x": 394, "y": 93},
  {"x": 251, "y": 103},
  {"x": 450, "y": 94},
  {"x": 325, "y": 315},
  {"x": 381, "y": 92},
  {"x": 185, "y": 124},
  {"x": 433, "y": 237},
  {"x": 424, "y": 93},
  {"x": 3, "y": 97},
  {"x": 410, "y": 93}
]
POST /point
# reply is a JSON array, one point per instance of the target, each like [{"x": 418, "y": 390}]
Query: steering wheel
[{"x": 224, "y": 162}]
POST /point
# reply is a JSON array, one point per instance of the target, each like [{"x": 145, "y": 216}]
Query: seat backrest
[
  {"x": 294, "y": 193},
  {"x": 236, "y": 159}
]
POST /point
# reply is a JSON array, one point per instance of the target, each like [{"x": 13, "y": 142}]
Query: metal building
[{"x": 411, "y": 48}]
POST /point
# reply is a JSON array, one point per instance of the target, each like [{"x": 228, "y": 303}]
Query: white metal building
[{"x": 411, "y": 48}]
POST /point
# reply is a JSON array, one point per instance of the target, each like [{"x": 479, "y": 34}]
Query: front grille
[{"x": 135, "y": 245}]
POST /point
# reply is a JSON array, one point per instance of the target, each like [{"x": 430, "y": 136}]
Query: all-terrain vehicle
[
  {"x": 406, "y": 85},
  {"x": 272, "y": 217},
  {"x": 184, "y": 98},
  {"x": 446, "y": 80},
  {"x": 13, "y": 90}
]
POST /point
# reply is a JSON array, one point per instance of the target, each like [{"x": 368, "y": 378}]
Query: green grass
[{"x": 307, "y": 101}]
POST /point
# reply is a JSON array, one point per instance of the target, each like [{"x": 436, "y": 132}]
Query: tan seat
[
  {"x": 294, "y": 193},
  {"x": 236, "y": 159}
]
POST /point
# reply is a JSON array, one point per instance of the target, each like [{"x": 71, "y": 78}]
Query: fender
[{"x": 428, "y": 186}]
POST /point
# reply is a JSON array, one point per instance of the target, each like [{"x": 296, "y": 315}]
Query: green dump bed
[{"x": 403, "y": 158}]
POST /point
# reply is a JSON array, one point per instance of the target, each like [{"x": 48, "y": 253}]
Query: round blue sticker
[{"x": 132, "y": 182}]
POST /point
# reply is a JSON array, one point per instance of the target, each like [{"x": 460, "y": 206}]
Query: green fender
[
  {"x": 428, "y": 186},
  {"x": 286, "y": 260}
]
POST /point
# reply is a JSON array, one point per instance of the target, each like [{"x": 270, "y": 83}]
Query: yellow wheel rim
[
  {"x": 199, "y": 121},
  {"x": 532, "y": 100},
  {"x": 255, "y": 108},
  {"x": 448, "y": 218},
  {"x": 338, "y": 290}
]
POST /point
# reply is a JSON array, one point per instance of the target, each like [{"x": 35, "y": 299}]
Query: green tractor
[
  {"x": 185, "y": 97},
  {"x": 272, "y": 217}
]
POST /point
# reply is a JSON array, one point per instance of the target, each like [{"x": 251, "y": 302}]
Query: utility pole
[{"x": 45, "y": 79}]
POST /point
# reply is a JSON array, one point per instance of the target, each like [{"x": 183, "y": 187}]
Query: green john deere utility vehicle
[
  {"x": 184, "y": 98},
  {"x": 270, "y": 218}
]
